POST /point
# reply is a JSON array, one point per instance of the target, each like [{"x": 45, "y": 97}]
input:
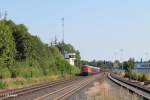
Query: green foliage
[
  {"x": 22, "y": 40},
  {"x": 130, "y": 65},
  {"x": 143, "y": 78},
  {"x": 7, "y": 50},
  {"x": 4, "y": 72},
  {"x": 2, "y": 85},
  {"x": 24, "y": 55},
  {"x": 19, "y": 82},
  {"x": 125, "y": 65},
  {"x": 99, "y": 63},
  {"x": 69, "y": 49},
  {"x": 136, "y": 76}
]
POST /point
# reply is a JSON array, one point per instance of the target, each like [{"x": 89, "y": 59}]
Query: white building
[{"x": 70, "y": 57}]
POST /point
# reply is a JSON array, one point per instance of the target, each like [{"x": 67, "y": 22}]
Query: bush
[
  {"x": 2, "y": 85},
  {"x": 126, "y": 74},
  {"x": 4, "y": 73},
  {"x": 19, "y": 82},
  {"x": 148, "y": 76},
  {"x": 143, "y": 78},
  {"x": 135, "y": 76}
]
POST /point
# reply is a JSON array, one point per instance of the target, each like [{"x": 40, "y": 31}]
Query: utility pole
[
  {"x": 121, "y": 51},
  {"x": 63, "y": 51},
  {"x": 5, "y": 15},
  {"x": 63, "y": 29},
  {"x": 0, "y": 15},
  {"x": 63, "y": 40}
]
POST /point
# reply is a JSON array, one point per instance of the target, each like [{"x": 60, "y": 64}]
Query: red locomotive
[{"x": 89, "y": 70}]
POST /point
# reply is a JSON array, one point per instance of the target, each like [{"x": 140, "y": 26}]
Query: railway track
[
  {"x": 142, "y": 91},
  {"x": 59, "y": 90},
  {"x": 65, "y": 92},
  {"x": 14, "y": 93}
]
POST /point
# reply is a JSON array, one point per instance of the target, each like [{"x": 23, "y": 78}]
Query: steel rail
[
  {"x": 130, "y": 86},
  {"x": 67, "y": 90},
  {"x": 22, "y": 91}
]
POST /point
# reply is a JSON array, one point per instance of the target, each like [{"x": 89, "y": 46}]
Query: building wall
[
  {"x": 143, "y": 67},
  {"x": 70, "y": 57},
  {"x": 71, "y": 61}
]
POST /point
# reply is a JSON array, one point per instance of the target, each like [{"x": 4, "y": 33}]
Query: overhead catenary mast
[
  {"x": 5, "y": 15},
  {"x": 0, "y": 15},
  {"x": 63, "y": 40},
  {"x": 63, "y": 29},
  {"x": 121, "y": 58}
]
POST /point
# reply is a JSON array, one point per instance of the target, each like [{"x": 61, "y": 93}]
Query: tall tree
[
  {"x": 22, "y": 40},
  {"x": 7, "y": 49},
  {"x": 7, "y": 45},
  {"x": 130, "y": 64}
]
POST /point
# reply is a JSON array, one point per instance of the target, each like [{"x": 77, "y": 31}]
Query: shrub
[
  {"x": 148, "y": 76},
  {"x": 135, "y": 76},
  {"x": 19, "y": 82},
  {"x": 144, "y": 78},
  {"x": 126, "y": 74},
  {"x": 2, "y": 85},
  {"x": 4, "y": 73}
]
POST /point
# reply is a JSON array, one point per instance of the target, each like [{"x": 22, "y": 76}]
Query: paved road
[{"x": 104, "y": 89}]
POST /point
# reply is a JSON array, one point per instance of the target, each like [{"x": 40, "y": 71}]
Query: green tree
[
  {"x": 25, "y": 55},
  {"x": 125, "y": 65},
  {"x": 130, "y": 66},
  {"x": 7, "y": 50},
  {"x": 70, "y": 49},
  {"x": 78, "y": 59},
  {"x": 22, "y": 40}
]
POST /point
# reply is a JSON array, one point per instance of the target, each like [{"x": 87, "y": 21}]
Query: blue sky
[{"x": 97, "y": 28}]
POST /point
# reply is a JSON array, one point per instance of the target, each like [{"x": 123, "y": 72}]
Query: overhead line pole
[
  {"x": 63, "y": 36},
  {"x": 63, "y": 28},
  {"x": 121, "y": 50},
  {"x": 63, "y": 51}
]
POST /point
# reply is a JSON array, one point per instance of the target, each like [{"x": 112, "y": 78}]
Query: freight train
[{"x": 89, "y": 70}]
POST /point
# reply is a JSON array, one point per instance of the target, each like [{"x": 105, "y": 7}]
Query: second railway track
[
  {"x": 56, "y": 90},
  {"x": 145, "y": 93},
  {"x": 14, "y": 93},
  {"x": 65, "y": 92}
]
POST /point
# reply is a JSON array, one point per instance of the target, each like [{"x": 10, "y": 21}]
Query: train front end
[{"x": 86, "y": 70}]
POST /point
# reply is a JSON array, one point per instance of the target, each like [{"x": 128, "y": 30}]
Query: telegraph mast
[
  {"x": 0, "y": 15},
  {"x": 63, "y": 40},
  {"x": 63, "y": 29},
  {"x": 5, "y": 15}
]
